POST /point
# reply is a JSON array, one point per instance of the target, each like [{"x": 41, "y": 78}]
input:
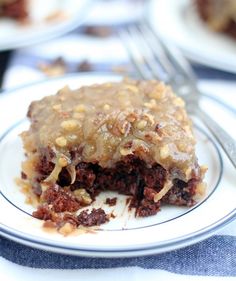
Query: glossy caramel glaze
[{"x": 103, "y": 123}]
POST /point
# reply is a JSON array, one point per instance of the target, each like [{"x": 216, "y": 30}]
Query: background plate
[
  {"x": 178, "y": 22},
  {"x": 14, "y": 35}
]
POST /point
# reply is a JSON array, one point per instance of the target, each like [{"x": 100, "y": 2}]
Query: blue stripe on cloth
[
  {"x": 203, "y": 72},
  {"x": 215, "y": 256}
]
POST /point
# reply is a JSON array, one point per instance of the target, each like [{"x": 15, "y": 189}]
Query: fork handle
[{"x": 227, "y": 142}]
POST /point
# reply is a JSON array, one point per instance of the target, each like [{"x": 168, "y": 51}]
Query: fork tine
[
  {"x": 142, "y": 56},
  {"x": 149, "y": 58},
  {"x": 157, "y": 50},
  {"x": 182, "y": 78},
  {"x": 134, "y": 55},
  {"x": 146, "y": 54},
  {"x": 170, "y": 54},
  {"x": 153, "y": 59}
]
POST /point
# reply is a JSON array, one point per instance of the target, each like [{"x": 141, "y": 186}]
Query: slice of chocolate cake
[
  {"x": 132, "y": 137},
  {"x": 15, "y": 9},
  {"x": 219, "y": 15}
]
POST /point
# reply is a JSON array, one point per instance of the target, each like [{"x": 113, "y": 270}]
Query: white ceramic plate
[
  {"x": 39, "y": 29},
  {"x": 178, "y": 22},
  {"x": 126, "y": 235}
]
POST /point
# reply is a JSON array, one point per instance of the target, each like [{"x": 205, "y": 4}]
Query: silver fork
[{"x": 154, "y": 60}]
